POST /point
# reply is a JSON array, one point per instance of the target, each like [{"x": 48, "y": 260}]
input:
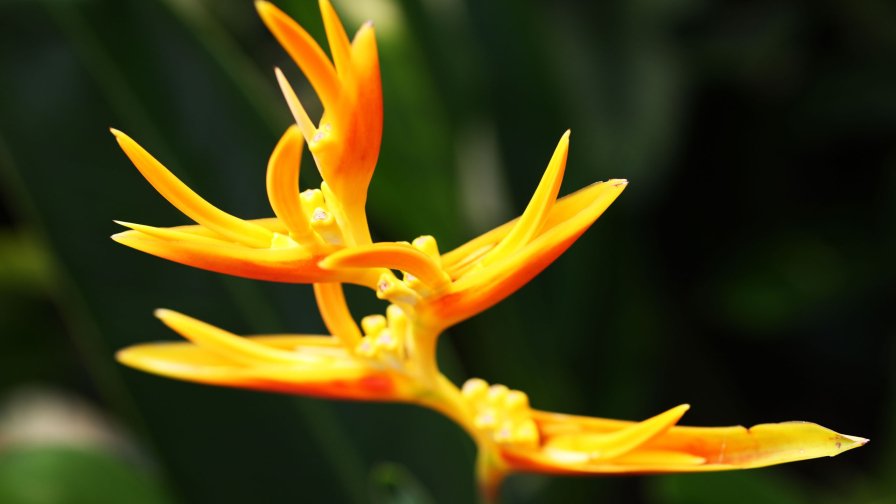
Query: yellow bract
[{"x": 320, "y": 236}]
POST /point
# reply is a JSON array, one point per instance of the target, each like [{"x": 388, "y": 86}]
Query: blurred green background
[{"x": 747, "y": 269}]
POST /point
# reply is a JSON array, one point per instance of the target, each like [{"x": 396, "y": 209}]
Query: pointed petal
[
  {"x": 340, "y": 47},
  {"x": 169, "y": 234},
  {"x": 400, "y": 256},
  {"x": 528, "y": 224},
  {"x": 190, "y": 203},
  {"x": 283, "y": 188},
  {"x": 304, "y": 51},
  {"x": 295, "y": 106},
  {"x": 459, "y": 260},
  {"x": 608, "y": 445},
  {"x": 682, "y": 448},
  {"x": 347, "y": 152},
  {"x": 229, "y": 345},
  {"x": 758, "y": 446},
  {"x": 344, "y": 378},
  {"x": 477, "y": 289}
]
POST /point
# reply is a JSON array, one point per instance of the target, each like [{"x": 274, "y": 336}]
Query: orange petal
[
  {"x": 303, "y": 50},
  {"x": 532, "y": 219},
  {"x": 334, "y": 310},
  {"x": 339, "y": 378},
  {"x": 299, "y": 114},
  {"x": 680, "y": 448},
  {"x": 400, "y": 256},
  {"x": 479, "y": 288},
  {"x": 201, "y": 248},
  {"x": 610, "y": 445},
  {"x": 229, "y": 345},
  {"x": 283, "y": 188},
  {"x": 340, "y": 47},
  {"x": 313, "y": 365},
  {"x": 190, "y": 203},
  {"x": 347, "y": 153}
]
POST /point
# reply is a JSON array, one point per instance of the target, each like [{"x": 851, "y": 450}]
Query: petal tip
[
  {"x": 121, "y": 237},
  {"x": 123, "y": 357},
  {"x": 849, "y": 442}
]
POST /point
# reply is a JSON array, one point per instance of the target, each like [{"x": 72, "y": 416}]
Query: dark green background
[{"x": 747, "y": 269}]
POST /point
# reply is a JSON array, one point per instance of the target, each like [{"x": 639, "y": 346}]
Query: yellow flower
[{"x": 321, "y": 237}]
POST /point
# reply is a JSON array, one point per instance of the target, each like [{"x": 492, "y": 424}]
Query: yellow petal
[
  {"x": 283, "y": 188},
  {"x": 340, "y": 377},
  {"x": 659, "y": 458},
  {"x": 400, "y": 256},
  {"x": 608, "y": 445},
  {"x": 479, "y": 288},
  {"x": 303, "y": 50},
  {"x": 758, "y": 446},
  {"x": 340, "y": 47},
  {"x": 334, "y": 310},
  {"x": 295, "y": 106},
  {"x": 679, "y": 448},
  {"x": 170, "y": 234},
  {"x": 229, "y": 345},
  {"x": 539, "y": 206},
  {"x": 458, "y": 261},
  {"x": 190, "y": 203}
]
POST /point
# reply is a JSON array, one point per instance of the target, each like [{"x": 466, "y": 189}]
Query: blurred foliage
[
  {"x": 748, "y": 268},
  {"x": 60, "y": 475}
]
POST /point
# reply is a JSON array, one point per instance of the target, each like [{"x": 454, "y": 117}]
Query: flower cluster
[{"x": 320, "y": 237}]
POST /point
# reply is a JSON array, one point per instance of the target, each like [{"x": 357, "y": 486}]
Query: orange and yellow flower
[{"x": 320, "y": 236}]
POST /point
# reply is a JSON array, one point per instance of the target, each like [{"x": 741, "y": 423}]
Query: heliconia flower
[
  {"x": 445, "y": 289},
  {"x": 520, "y": 439},
  {"x": 320, "y": 236}
]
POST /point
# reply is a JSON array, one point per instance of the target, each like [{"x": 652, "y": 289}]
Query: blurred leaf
[
  {"x": 394, "y": 484},
  {"x": 730, "y": 487},
  {"x": 24, "y": 263},
  {"x": 62, "y": 475}
]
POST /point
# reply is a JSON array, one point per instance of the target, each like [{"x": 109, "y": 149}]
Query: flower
[{"x": 321, "y": 237}]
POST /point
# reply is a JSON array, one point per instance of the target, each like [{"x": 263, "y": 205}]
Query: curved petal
[
  {"x": 187, "y": 201},
  {"x": 202, "y": 248},
  {"x": 678, "y": 449},
  {"x": 477, "y": 289},
  {"x": 307, "y": 365},
  {"x": 346, "y": 142}
]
